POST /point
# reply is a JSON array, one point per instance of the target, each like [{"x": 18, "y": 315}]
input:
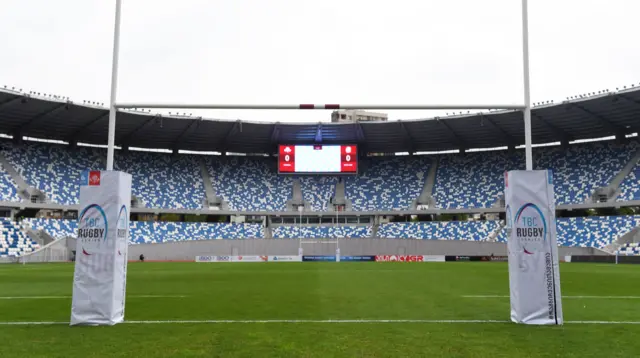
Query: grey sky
[{"x": 329, "y": 51}]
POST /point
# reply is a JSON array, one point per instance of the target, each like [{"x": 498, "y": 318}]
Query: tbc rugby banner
[
  {"x": 534, "y": 279},
  {"x": 100, "y": 277}
]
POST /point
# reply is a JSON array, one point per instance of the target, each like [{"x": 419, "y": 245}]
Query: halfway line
[{"x": 297, "y": 321}]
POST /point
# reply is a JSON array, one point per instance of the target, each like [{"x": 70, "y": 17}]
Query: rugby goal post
[{"x": 114, "y": 106}]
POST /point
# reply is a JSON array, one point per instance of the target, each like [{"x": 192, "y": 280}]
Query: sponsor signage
[
  {"x": 232, "y": 258},
  {"x": 498, "y": 258},
  {"x": 285, "y": 259},
  {"x": 477, "y": 258},
  {"x": 319, "y": 258},
  {"x": 400, "y": 258},
  {"x": 100, "y": 271},
  {"x": 249, "y": 258},
  {"x": 432, "y": 258},
  {"x": 534, "y": 278},
  {"x": 358, "y": 258}
]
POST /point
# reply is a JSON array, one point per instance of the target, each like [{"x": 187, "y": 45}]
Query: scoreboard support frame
[{"x": 525, "y": 107}]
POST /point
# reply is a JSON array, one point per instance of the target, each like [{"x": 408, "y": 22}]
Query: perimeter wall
[{"x": 188, "y": 250}]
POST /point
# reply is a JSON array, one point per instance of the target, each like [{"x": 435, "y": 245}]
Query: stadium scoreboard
[{"x": 318, "y": 159}]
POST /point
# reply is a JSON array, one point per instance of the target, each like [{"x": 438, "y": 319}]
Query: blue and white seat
[
  {"x": 388, "y": 183},
  {"x": 322, "y": 232},
  {"x": 13, "y": 241},
  {"x": 57, "y": 229},
  {"x": 439, "y": 230},
  {"x": 630, "y": 249},
  {"x": 594, "y": 231},
  {"x": 250, "y": 183},
  {"x": 579, "y": 169},
  {"x": 318, "y": 190},
  {"x": 473, "y": 180},
  {"x": 142, "y": 232},
  {"x": 53, "y": 168},
  {"x": 162, "y": 180},
  {"x": 8, "y": 188}
]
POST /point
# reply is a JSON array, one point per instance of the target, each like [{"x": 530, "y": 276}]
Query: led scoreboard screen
[{"x": 318, "y": 159}]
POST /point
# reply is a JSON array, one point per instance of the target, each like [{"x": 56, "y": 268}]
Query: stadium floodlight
[{"x": 113, "y": 106}]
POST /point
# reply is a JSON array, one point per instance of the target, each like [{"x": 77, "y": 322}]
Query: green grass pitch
[{"x": 320, "y": 291}]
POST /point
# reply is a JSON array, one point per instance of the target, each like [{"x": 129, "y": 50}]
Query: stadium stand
[
  {"x": 632, "y": 248},
  {"x": 13, "y": 241},
  {"x": 594, "y": 231},
  {"x": 160, "y": 180},
  {"x": 250, "y": 183},
  {"x": 387, "y": 183},
  {"x": 163, "y": 180},
  {"x": 318, "y": 191},
  {"x": 56, "y": 228},
  {"x": 321, "y": 232},
  {"x": 8, "y": 188},
  {"x": 476, "y": 180},
  {"x": 473, "y": 180},
  {"x": 502, "y": 234},
  {"x": 630, "y": 187},
  {"x": 159, "y": 231},
  {"x": 470, "y": 180},
  {"x": 156, "y": 232},
  {"x": 440, "y": 230},
  {"x": 590, "y": 231},
  {"x": 55, "y": 169},
  {"x": 579, "y": 169}
]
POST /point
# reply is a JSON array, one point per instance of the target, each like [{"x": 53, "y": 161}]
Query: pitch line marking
[
  {"x": 577, "y": 297},
  {"x": 65, "y": 297},
  {"x": 339, "y": 321}
]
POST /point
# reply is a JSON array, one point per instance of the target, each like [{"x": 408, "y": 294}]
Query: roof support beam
[
  {"x": 461, "y": 143},
  {"x": 11, "y": 100},
  {"x": 73, "y": 136},
  {"x": 359, "y": 132},
  {"x": 237, "y": 127},
  {"x": 510, "y": 140},
  {"x": 634, "y": 127},
  {"x": 560, "y": 134},
  {"x": 126, "y": 139},
  {"x": 408, "y": 138},
  {"x": 39, "y": 116},
  {"x": 318, "y": 137},
  {"x": 275, "y": 133},
  {"x": 189, "y": 129},
  {"x": 605, "y": 122}
]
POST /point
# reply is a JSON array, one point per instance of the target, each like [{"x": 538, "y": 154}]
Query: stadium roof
[{"x": 607, "y": 114}]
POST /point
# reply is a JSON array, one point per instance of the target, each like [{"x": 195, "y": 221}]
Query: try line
[
  {"x": 65, "y": 297},
  {"x": 578, "y": 297},
  {"x": 329, "y": 321}
]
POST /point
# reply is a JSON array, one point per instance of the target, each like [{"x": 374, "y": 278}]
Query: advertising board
[{"x": 223, "y": 258}]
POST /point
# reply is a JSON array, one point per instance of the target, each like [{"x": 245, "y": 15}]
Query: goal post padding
[
  {"x": 534, "y": 278},
  {"x": 100, "y": 275}
]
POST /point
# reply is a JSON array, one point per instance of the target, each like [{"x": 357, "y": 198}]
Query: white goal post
[{"x": 113, "y": 105}]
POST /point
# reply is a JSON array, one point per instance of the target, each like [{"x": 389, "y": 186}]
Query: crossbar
[{"x": 319, "y": 106}]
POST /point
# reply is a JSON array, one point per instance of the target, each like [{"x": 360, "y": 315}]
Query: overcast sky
[{"x": 320, "y": 51}]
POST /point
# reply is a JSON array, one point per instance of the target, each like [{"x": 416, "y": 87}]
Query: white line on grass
[
  {"x": 65, "y": 297},
  {"x": 577, "y": 297},
  {"x": 339, "y": 321}
]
